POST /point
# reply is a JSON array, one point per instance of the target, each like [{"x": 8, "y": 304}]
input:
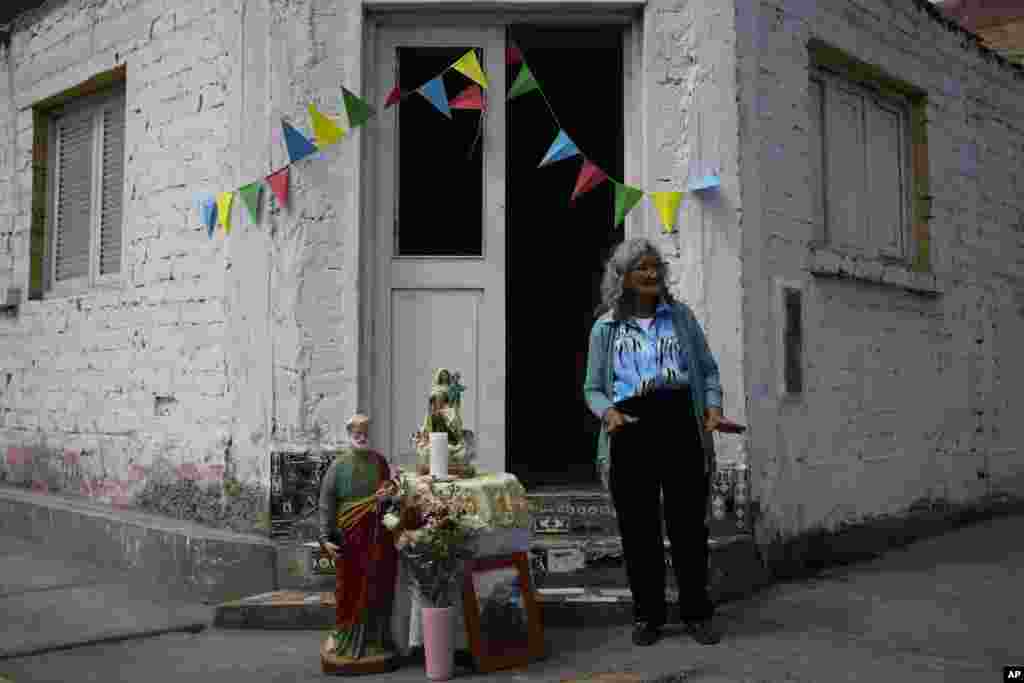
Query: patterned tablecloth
[{"x": 500, "y": 500}]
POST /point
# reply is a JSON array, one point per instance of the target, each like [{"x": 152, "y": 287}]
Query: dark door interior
[{"x": 556, "y": 252}]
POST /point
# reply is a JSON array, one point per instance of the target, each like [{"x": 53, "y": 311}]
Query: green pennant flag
[
  {"x": 359, "y": 112},
  {"x": 525, "y": 83},
  {"x": 626, "y": 198},
  {"x": 251, "y": 197}
]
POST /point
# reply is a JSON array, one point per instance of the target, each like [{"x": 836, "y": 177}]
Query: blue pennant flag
[
  {"x": 207, "y": 205},
  {"x": 708, "y": 182},
  {"x": 561, "y": 148},
  {"x": 299, "y": 146},
  {"x": 434, "y": 91}
]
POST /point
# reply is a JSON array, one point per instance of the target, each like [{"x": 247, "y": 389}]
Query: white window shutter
[
  {"x": 816, "y": 152},
  {"x": 845, "y": 158},
  {"x": 75, "y": 139},
  {"x": 885, "y": 181},
  {"x": 112, "y": 165}
]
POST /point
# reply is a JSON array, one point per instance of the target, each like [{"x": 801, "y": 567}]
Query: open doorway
[{"x": 556, "y": 253}]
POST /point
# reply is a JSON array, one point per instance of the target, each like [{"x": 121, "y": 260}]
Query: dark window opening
[
  {"x": 437, "y": 214},
  {"x": 793, "y": 342}
]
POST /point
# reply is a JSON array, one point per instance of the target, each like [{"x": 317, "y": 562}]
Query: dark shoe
[
  {"x": 645, "y": 634},
  {"x": 703, "y": 632}
]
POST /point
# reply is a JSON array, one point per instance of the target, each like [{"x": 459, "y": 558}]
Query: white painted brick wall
[{"x": 906, "y": 397}]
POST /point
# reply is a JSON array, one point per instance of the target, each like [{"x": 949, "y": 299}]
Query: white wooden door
[{"x": 438, "y": 310}]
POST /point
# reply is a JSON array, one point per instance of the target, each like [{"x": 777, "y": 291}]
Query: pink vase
[{"x": 439, "y": 642}]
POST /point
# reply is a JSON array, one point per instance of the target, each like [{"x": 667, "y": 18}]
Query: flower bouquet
[{"x": 435, "y": 531}]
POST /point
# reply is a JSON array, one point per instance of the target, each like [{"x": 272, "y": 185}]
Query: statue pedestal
[{"x": 346, "y": 666}]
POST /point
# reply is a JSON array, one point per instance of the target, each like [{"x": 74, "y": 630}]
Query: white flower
[{"x": 391, "y": 521}]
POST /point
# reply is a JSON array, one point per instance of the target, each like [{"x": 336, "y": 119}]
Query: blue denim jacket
[{"x": 705, "y": 385}]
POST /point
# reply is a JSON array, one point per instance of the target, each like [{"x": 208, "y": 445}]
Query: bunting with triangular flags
[
  {"x": 299, "y": 146},
  {"x": 469, "y": 66},
  {"x": 561, "y": 148},
  {"x": 470, "y": 98},
  {"x": 327, "y": 132},
  {"x": 435, "y": 93},
  {"x": 513, "y": 55},
  {"x": 394, "y": 97},
  {"x": 278, "y": 181},
  {"x": 224, "y": 210},
  {"x": 525, "y": 82},
  {"x": 359, "y": 112},
  {"x": 250, "y": 195},
  {"x": 626, "y": 198},
  {"x": 207, "y": 204},
  {"x": 590, "y": 177},
  {"x": 667, "y": 204}
]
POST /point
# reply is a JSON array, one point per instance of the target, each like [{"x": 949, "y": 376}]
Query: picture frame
[{"x": 501, "y": 612}]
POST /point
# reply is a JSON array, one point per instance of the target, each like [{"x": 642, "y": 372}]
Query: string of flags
[{"x": 215, "y": 209}]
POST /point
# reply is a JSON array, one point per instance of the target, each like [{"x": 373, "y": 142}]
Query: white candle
[{"x": 439, "y": 454}]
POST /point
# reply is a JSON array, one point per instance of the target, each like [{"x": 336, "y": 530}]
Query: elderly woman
[{"x": 654, "y": 383}]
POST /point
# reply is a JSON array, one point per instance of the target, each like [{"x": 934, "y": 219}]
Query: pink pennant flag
[
  {"x": 470, "y": 98},
  {"x": 513, "y": 55},
  {"x": 393, "y": 97},
  {"x": 279, "y": 184},
  {"x": 590, "y": 177}
]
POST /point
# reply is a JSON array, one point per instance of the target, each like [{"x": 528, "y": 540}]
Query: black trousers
[{"x": 661, "y": 453}]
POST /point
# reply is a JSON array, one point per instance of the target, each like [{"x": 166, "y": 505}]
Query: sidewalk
[
  {"x": 943, "y": 609},
  {"x": 50, "y": 602}
]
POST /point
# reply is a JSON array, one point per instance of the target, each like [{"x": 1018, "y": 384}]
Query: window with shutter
[
  {"x": 112, "y": 189},
  {"x": 73, "y": 186},
  {"x": 859, "y": 165},
  {"x": 87, "y": 139}
]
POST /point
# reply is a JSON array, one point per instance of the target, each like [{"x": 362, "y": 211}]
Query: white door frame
[{"x": 381, "y": 14}]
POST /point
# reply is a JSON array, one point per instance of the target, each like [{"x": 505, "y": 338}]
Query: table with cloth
[{"x": 500, "y": 501}]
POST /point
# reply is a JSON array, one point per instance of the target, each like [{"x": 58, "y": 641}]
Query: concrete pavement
[
  {"x": 942, "y": 609},
  {"x": 51, "y": 602}
]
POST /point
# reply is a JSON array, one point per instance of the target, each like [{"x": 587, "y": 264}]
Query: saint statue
[
  {"x": 353, "y": 493},
  {"x": 444, "y": 414}
]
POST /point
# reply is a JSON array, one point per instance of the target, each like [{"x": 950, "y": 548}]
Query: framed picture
[{"x": 502, "y": 616}]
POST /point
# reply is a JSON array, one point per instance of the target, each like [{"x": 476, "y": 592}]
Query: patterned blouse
[{"x": 648, "y": 357}]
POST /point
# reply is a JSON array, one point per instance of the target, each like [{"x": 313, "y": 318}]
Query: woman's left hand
[{"x": 712, "y": 418}]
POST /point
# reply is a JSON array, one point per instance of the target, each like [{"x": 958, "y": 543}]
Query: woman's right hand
[
  {"x": 333, "y": 550},
  {"x": 614, "y": 420}
]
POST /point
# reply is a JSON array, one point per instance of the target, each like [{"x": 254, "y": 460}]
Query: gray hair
[{"x": 624, "y": 259}]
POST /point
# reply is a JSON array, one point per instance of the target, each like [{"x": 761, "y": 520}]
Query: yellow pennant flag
[
  {"x": 224, "y": 210},
  {"x": 327, "y": 132},
  {"x": 469, "y": 67},
  {"x": 667, "y": 204}
]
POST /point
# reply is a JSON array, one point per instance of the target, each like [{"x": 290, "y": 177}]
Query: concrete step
[{"x": 736, "y": 571}]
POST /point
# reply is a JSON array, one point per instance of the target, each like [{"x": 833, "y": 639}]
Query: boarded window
[
  {"x": 859, "y": 143},
  {"x": 87, "y": 139}
]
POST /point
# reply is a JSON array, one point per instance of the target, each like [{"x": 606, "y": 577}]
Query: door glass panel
[{"x": 439, "y": 208}]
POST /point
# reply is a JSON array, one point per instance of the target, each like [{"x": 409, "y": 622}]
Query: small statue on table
[
  {"x": 444, "y": 414},
  {"x": 353, "y": 494}
]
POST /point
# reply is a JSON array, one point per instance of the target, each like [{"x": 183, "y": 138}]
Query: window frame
[
  {"x": 829, "y": 80},
  {"x": 97, "y": 102}
]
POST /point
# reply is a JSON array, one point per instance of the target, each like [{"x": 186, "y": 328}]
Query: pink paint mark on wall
[
  {"x": 136, "y": 472},
  {"x": 71, "y": 457},
  {"x": 121, "y": 501},
  {"x": 112, "y": 488},
  {"x": 188, "y": 471},
  {"x": 16, "y": 456},
  {"x": 213, "y": 472},
  {"x": 40, "y": 486}
]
